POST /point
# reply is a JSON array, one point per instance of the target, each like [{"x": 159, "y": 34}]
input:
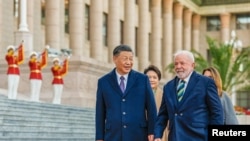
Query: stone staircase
[{"x": 22, "y": 120}]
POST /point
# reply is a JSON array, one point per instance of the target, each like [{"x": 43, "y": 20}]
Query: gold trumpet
[
  {"x": 66, "y": 52},
  {"x": 52, "y": 53}
]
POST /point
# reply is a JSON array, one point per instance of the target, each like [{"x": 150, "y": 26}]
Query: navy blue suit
[
  {"x": 125, "y": 117},
  {"x": 189, "y": 118}
]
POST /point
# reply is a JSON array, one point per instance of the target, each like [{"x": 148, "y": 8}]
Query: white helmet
[
  {"x": 33, "y": 53},
  {"x": 10, "y": 47},
  {"x": 56, "y": 59}
]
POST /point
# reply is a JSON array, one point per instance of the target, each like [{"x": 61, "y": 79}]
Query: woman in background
[
  {"x": 228, "y": 109},
  {"x": 154, "y": 75}
]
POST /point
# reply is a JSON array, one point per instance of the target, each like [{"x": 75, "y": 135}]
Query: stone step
[
  {"x": 46, "y": 128},
  {"x": 43, "y": 134},
  {"x": 41, "y": 106},
  {"x": 22, "y": 120},
  {"x": 42, "y": 122},
  {"x": 49, "y": 115},
  {"x": 46, "y": 139}
]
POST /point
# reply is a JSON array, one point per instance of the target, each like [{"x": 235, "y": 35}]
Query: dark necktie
[
  {"x": 180, "y": 90},
  {"x": 122, "y": 85}
]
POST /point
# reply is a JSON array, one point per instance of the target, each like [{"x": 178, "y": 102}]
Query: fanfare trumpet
[
  {"x": 59, "y": 55},
  {"x": 52, "y": 52},
  {"x": 15, "y": 48},
  {"x": 66, "y": 52}
]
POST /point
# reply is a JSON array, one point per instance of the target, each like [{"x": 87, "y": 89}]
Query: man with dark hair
[{"x": 125, "y": 105}]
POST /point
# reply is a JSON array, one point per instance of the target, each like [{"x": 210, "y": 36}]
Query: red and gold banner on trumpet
[{"x": 20, "y": 56}]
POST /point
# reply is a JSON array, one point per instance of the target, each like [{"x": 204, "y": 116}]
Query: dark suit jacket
[
  {"x": 125, "y": 117},
  {"x": 189, "y": 119}
]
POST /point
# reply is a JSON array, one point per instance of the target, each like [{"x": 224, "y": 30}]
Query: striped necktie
[
  {"x": 122, "y": 85},
  {"x": 180, "y": 90}
]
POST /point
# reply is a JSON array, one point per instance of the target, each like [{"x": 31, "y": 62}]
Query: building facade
[{"x": 155, "y": 29}]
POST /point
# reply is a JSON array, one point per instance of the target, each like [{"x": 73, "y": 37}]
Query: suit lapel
[
  {"x": 130, "y": 82},
  {"x": 171, "y": 95},
  {"x": 176, "y": 81},
  {"x": 114, "y": 83}
]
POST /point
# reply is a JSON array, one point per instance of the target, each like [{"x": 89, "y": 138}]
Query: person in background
[
  {"x": 59, "y": 70},
  {"x": 13, "y": 72},
  {"x": 36, "y": 66},
  {"x": 228, "y": 108},
  {"x": 154, "y": 75},
  {"x": 190, "y": 103},
  {"x": 125, "y": 104}
]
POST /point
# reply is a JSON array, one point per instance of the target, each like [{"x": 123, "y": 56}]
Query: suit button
[
  {"x": 124, "y": 113},
  {"x": 123, "y": 100},
  {"x": 124, "y": 126},
  {"x": 175, "y": 114},
  {"x": 181, "y": 114}
]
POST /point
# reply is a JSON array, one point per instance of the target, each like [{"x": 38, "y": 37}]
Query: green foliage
[
  {"x": 233, "y": 65},
  {"x": 198, "y": 2}
]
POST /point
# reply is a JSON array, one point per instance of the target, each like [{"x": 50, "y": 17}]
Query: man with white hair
[
  {"x": 190, "y": 103},
  {"x": 36, "y": 66},
  {"x": 13, "y": 72},
  {"x": 58, "y": 70}
]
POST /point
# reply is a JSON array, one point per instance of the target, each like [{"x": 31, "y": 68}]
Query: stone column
[
  {"x": 30, "y": 14},
  {"x": 167, "y": 47},
  {"x": 129, "y": 23},
  {"x": 143, "y": 38},
  {"x": 34, "y": 24},
  {"x": 2, "y": 48},
  {"x": 96, "y": 28},
  {"x": 156, "y": 27},
  {"x": 76, "y": 24},
  {"x": 196, "y": 32},
  {"x": 23, "y": 26},
  {"x": 23, "y": 33},
  {"x": 113, "y": 27},
  {"x": 178, "y": 10},
  {"x": 187, "y": 29},
  {"x": 225, "y": 27},
  {"x": 52, "y": 30}
]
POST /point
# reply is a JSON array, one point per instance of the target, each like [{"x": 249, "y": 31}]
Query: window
[
  {"x": 66, "y": 18},
  {"x": 209, "y": 57},
  {"x": 105, "y": 29},
  {"x": 16, "y": 8},
  {"x": 213, "y": 23},
  {"x": 243, "y": 99},
  {"x": 150, "y": 3},
  {"x": 243, "y": 21},
  {"x": 43, "y": 12},
  {"x": 136, "y": 41},
  {"x": 121, "y": 29},
  {"x": 87, "y": 23},
  {"x": 150, "y": 45}
]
